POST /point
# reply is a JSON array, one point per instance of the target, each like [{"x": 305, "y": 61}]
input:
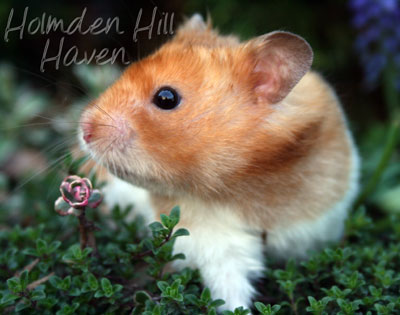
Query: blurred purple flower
[
  {"x": 389, "y": 5},
  {"x": 357, "y": 4},
  {"x": 378, "y": 40}
]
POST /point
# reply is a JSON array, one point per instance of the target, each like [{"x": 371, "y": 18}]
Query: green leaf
[
  {"x": 41, "y": 247},
  {"x": 53, "y": 247},
  {"x": 374, "y": 291},
  {"x": 267, "y": 309},
  {"x": 181, "y": 232},
  {"x": 192, "y": 299},
  {"x": 31, "y": 252},
  {"x": 74, "y": 292},
  {"x": 141, "y": 297},
  {"x": 147, "y": 244},
  {"x": 162, "y": 285},
  {"x": 156, "y": 310},
  {"x": 14, "y": 285},
  {"x": 77, "y": 281},
  {"x": 66, "y": 283},
  {"x": 175, "y": 216},
  {"x": 44, "y": 266},
  {"x": 92, "y": 281},
  {"x": 56, "y": 282},
  {"x": 175, "y": 285},
  {"x": 156, "y": 227},
  {"x": 86, "y": 252},
  {"x": 217, "y": 303},
  {"x": 165, "y": 220},
  {"x": 48, "y": 302},
  {"x": 21, "y": 306},
  {"x": 38, "y": 295},
  {"x": 261, "y": 308},
  {"x": 205, "y": 295},
  {"x": 8, "y": 298},
  {"x": 212, "y": 311},
  {"x": 24, "y": 279},
  {"x": 68, "y": 309},
  {"x": 132, "y": 248},
  {"x": 312, "y": 300},
  {"x": 178, "y": 256},
  {"x": 76, "y": 252},
  {"x": 117, "y": 288},
  {"x": 61, "y": 206},
  {"x": 95, "y": 199},
  {"x": 106, "y": 287}
]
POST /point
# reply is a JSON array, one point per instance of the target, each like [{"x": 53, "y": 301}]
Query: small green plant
[{"x": 46, "y": 271}]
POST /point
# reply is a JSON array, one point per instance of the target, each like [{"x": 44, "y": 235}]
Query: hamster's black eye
[{"x": 166, "y": 98}]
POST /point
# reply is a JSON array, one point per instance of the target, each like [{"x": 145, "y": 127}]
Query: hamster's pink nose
[{"x": 87, "y": 131}]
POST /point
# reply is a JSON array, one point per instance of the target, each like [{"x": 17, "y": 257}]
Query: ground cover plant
[
  {"x": 72, "y": 256},
  {"x": 45, "y": 270}
]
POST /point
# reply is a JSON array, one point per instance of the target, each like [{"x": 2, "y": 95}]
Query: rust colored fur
[
  {"x": 257, "y": 144},
  {"x": 269, "y": 150}
]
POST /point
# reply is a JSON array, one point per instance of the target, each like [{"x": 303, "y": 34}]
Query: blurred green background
[{"x": 38, "y": 111}]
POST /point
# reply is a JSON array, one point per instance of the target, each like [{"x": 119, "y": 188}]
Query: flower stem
[
  {"x": 82, "y": 230},
  {"x": 91, "y": 237},
  {"x": 391, "y": 142},
  {"x": 86, "y": 229},
  {"x": 391, "y": 94},
  {"x": 392, "y": 102}
]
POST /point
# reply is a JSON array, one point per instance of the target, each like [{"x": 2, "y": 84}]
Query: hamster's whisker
[
  {"x": 53, "y": 82},
  {"x": 54, "y": 181},
  {"x": 95, "y": 169},
  {"x": 105, "y": 150},
  {"x": 113, "y": 164},
  {"x": 124, "y": 172},
  {"x": 119, "y": 157},
  {"x": 44, "y": 117},
  {"x": 103, "y": 111},
  {"x": 61, "y": 121},
  {"x": 49, "y": 168},
  {"x": 96, "y": 124},
  {"x": 62, "y": 144},
  {"x": 27, "y": 125},
  {"x": 50, "y": 123}
]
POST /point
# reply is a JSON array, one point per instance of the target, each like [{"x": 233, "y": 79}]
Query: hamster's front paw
[{"x": 228, "y": 258}]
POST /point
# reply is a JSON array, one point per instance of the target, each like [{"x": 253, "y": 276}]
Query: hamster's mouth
[
  {"x": 100, "y": 157},
  {"x": 114, "y": 160},
  {"x": 102, "y": 150},
  {"x": 145, "y": 181}
]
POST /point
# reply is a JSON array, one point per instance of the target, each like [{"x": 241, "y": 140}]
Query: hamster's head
[{"x": 193, "y": 117}]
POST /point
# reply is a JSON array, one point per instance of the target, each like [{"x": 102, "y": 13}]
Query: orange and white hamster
[{"x": 242, "y": 136}]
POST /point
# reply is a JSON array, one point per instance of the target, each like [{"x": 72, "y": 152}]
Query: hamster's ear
[
  {"x": 195, "y": 22},
  {"x": 279, "y": 61}
]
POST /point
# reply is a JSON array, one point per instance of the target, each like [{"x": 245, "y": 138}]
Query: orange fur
[
  {"x": 258, "y": 145},
  {"x": 276, "y": 163}
]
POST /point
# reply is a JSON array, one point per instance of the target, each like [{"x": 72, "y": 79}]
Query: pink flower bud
[{"x": 78, "y": 192}]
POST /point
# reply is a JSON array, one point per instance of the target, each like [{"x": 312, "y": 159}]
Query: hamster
[{"x": 243, "y": 136}]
